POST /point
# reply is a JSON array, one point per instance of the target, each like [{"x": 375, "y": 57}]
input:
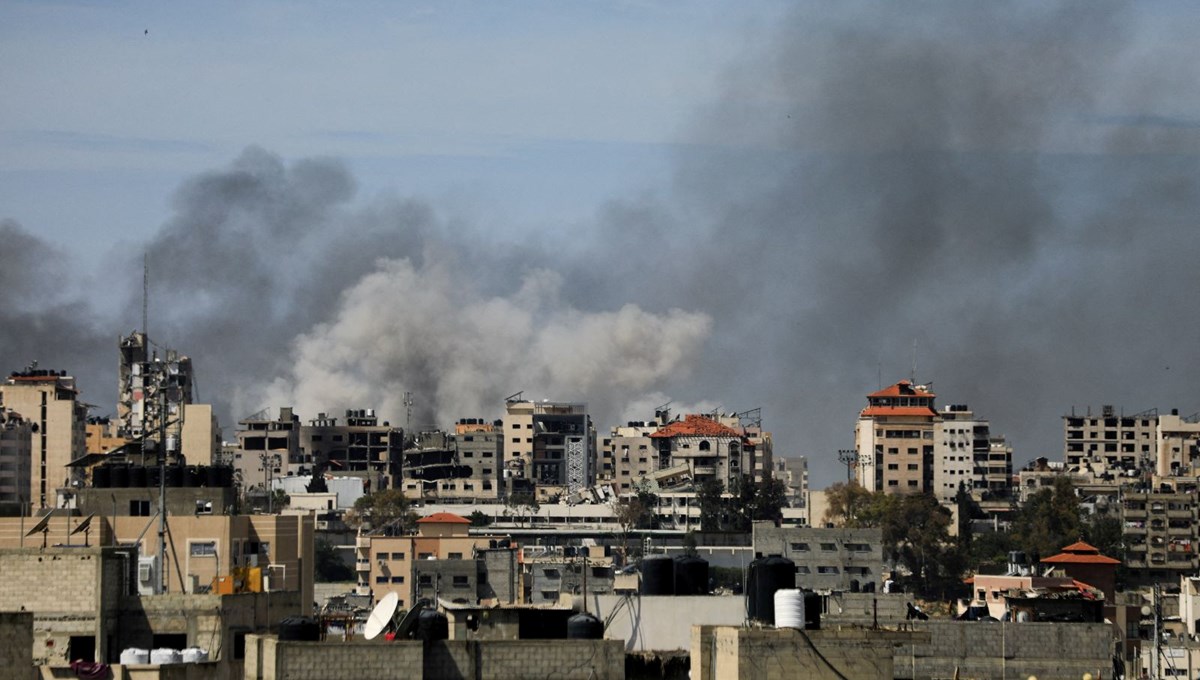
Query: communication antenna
[
  {"x": 913, "y": 376},
  {"x": 382, "y": 617},
  {"x": 408, "y": 404},
  {"x": 146, "y": 296}
]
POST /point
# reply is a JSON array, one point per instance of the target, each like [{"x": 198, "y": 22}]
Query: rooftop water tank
[{"x": 789, "y": 608}]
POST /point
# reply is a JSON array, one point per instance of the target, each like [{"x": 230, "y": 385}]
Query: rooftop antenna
[
  {"x": 913, "y": 376},
  {"x": 408, "y": 404},
  {"x": 145, "y": 295}
]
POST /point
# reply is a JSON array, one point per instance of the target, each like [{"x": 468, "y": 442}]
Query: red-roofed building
[
  {"x": 894, "y": 439},
  {"x": 1083, "y": 562},
  {"x": 711, "y": 449}
]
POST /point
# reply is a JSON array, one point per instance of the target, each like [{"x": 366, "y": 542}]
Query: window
[
  {"x": 516, "y": 426},
  {"x": 912, "y": 482},
  {"x": 893, "y": 466},
  {"x": 550, "y": 573},
  {"x": 381, "y": 579},
  {"x": 397, "y": 556},
  {"x": 892, "y": 482},
  {"x": 424, "y": 556},
  {"x": 203, "y": 549},
  {"x": 912, "y": 466},
  {"x": 139, "y": 508},
  {"x": 461, "y": 582},
  {"x": 397, "y": 579},
  {"x": 828, "y": 547},
  {"x": 455, "y": 556},
  {"x": 827, "y": 570},
  {"x": 802, "y": 569},
  {"x": 425, "y": 579},
  {"x": 800, "y": 547}
]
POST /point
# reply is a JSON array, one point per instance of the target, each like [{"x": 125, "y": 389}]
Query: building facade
[
  {"x": 830, "y": 560},
  {"x": 894, "y": 440},
  {"x": 16, "y": 435},
  {"x": 361, "y": 447},
  {"x": 550, "y": 444},
  {"x": 49, "y": 400}
]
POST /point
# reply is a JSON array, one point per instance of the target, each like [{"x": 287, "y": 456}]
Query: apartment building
[
  {"x": 831, "y": 560},
  {"x": 1162, "y": 541},
  {"x": 410, "y": 565},
  {"x": 360, "y": 446},
  {"x": 1110, "y": 443},
  {"x": 712, "y": 450},
  {"x": 628, "y": 455},
  {"x": 1178, "y": 440},
  {"x": 894, "y": 439},
  {"x": 16, "y": 435},
  {"x": 549, "y": 443},
  {"x": 49, "y": 400},
  {"x": 967, "y": 455},
  {"x": 480, "y": 447},
  {"x": 268, "y": 446}
]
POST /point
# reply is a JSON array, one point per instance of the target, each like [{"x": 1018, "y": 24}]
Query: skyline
[{"x": 765, "y": 205}]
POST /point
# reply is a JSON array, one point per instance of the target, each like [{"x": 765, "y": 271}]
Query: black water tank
[
  {"x": 174, "y": 476},
  {"x": 226, "y": 476},
  {"x": 120, "y": 476},
  {"x": 691, "y": 576},
  {"x": 658, "y": 575},
  {"x": 752, "y": 588},
  {"x": 432, "y": 625},
  {"x": 153, "y": 476},
  {"x": 584, "y": 626},
  {"x": 102, "y": 476},
  {"x": 299, "y": 628},
  {"x": 212, "y": 476},
  {"x": 772, "y": 573},
  {"x": 191, "y": 476},
  {"x": 812, "y": 610},
  {"x": 137, "y": 477}
]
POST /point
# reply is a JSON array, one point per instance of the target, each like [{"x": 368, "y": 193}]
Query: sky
[{"x": 721, "y": 205}]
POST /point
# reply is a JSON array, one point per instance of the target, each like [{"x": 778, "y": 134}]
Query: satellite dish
[
  {"x": 83, "y": 526},
  {"x": 381, "y": 616},
  {"x": 41, "y": 525}
]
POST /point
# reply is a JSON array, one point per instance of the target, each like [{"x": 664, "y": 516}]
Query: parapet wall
[
  {"x": 1012, "y": 650},
  {"x": 267, "y": 658}
]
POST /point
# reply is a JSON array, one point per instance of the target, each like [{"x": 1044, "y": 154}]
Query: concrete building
[
  {"x": 552, "y": 572},
  {"x": 793, "y": 472},
  {"x": 1178, "y": 440},
  {"x": 551, "y": 444},
  {"x": 712, "y": 450},
  {"x": 1109, "y": 442},
  {"x": 200, "y": 435},
  {"x": 267, "y": 447},
  {"x": 827, "y": 560},
  {"x": 388, "y": 564},
  {"x": 628, "y": 455},
  {"x": 101, "y": 435},
  {"x": 480, "y": 447},
  {"x": 894, "y": 440},
  {"x": 967, "y": 455},
  {"x": 1161, "y": 535},
  {"x": 49, "y": 400},
  {"x": 16, "y": 435},
  {"x": 359, "y": 447},
  {"x": 150, "y": 388}
]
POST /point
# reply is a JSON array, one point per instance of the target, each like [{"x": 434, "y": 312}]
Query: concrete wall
[
  {"x": 729, "y": 653},
  {"x": 826, "y": 559},
  {"x": 645, "y": 623},
  {"x": 16, "y": 644},
  {"x": 269, "y": 659},
  {"x": 182, "y": 671},
  {"x": 1007, "y": 650}
]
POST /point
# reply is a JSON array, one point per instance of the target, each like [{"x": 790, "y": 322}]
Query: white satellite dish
[{"x": 381, "y": 616}]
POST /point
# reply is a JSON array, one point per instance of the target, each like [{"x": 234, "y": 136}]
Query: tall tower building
[
  {"x": 148, "y": 384},
  {"x": 894, "y": 439},
  {"x": 550, "y": 443},
  {"x": 49, "y": 401}
]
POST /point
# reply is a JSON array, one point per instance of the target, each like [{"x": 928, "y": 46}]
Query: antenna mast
[
  {"x": 913, "y": 375},
  {"x": 408, "y": 404},
  {"x": 145, "y": 295}
]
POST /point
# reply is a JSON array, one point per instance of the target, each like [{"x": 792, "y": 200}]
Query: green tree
[
  {"x": 1048, "y": 520},
  {"x": 479, "y": 519},
  {"x": 386, "y": 511},
  {"x": 845, "y": 503},
  {"x": 328, "y": 567},
  {"x": 711, "y": 498}
]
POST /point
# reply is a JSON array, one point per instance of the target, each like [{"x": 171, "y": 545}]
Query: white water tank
[
  {"x": 164, "y": 655},
  {"x": 789, "y": 608},
  {"x": 135, "y": 656},
  {"x": 195, "y": 655}
]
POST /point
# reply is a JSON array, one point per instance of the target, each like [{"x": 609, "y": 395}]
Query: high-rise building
[
  {"x": 967, "y": 455},
  {"x": 359, "y": 447},
  {"x": 50, "y": 401},
  {"x": 1108, "y": 442},
  {"x": 151, "y": 387},
  {"x": 894, "y": 439}
]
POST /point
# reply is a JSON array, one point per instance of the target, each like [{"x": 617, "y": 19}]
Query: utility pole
[
  {"x": 849, "y": 458},
  {"x": 160, "y": 582}
]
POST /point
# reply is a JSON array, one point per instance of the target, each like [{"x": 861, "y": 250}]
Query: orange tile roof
[
  {"x": 899, "y": 411},
  {"x": 1080, "y": 553},
  {"x": 696, "y": 425},
  {"x": 443, "y": 518},
  {"x": 904, "y": 388}
]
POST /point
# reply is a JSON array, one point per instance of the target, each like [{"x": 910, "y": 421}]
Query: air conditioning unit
[{"x": 147, "y": 575}]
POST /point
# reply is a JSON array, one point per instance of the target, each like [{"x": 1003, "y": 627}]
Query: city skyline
[{"x": 628, "y": 205}]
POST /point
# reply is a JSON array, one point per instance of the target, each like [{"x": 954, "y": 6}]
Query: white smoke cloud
[{"x": 430, "y": 330}]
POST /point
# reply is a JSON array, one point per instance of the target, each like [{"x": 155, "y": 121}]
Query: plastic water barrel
[
  {"x": 658, "y": 575},
  {"x": 164, "y": 655},
  {"x": 194, "y": 655},
  {"x": 773, "y": 573},
  {"x": 585, "y": 627},
  {"x": 134, "y": 656},
  {"x": 120, "y": 476},
  {"x": 691, "y": 576},
  {"x": 432, "y": 625},
  {"x": 789, "y": 608},
  {"x": 102, "y": 477}
]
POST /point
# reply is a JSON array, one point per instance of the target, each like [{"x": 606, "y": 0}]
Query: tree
[
  {"x": 755, "y": 502},
  {"x": 387, "y": 511},
  {"x": 1048, "y": 521},
  {"x": 711, "y": 498},
  {"x": 522, "y": 503},
  {"x": 328, "y": 567},
  {"x": 479, "y": 519},
  {"x": 845, "y": 503}
]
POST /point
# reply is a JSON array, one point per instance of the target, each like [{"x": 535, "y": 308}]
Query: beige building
[
  {"x": 1178, "y": 440},
  {"x": 1108, "y": 442},
  {"x": 712, "y": 450},
  {"x": 627, "y": 455},
  {"x": 894, "y": 439},
  {"x": 267, "y": 447},
  {"x": 549, "y": 443},
  {"x": 50, "y": 401},
  {"x": 388, "y": 564},
  {"x": 966, "y": 454},
  {"x": 16, "y": 434},
  {"x": 359, "y": 446}
]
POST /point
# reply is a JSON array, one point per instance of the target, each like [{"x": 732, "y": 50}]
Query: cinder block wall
[
  {"x": 16, "y": 644},
  {"x": 994, "y": 650}
]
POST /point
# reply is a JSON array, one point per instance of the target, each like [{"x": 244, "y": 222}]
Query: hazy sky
[{"x": 718, "y": 204}]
